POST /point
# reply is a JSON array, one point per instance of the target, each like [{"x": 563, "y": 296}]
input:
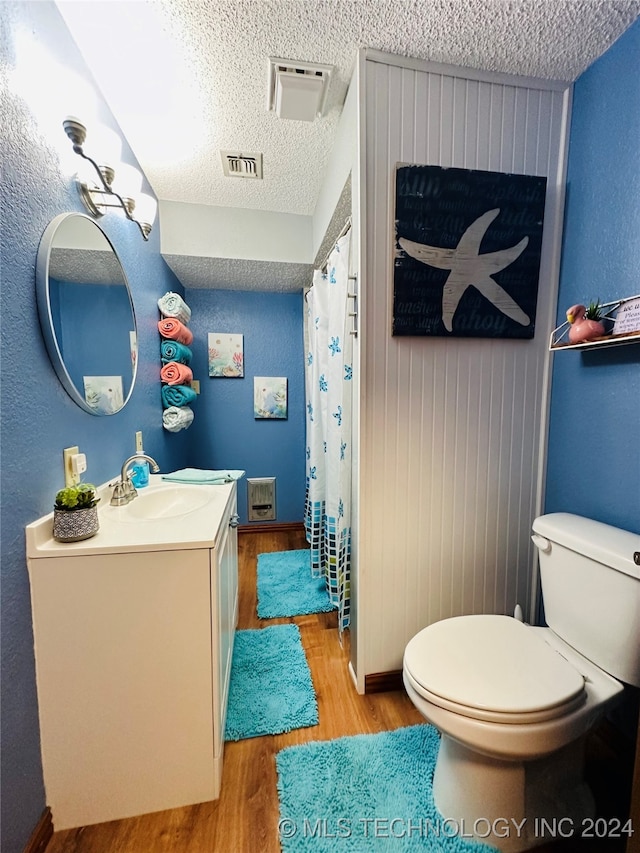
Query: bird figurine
[{"x": 584, "y": 323}]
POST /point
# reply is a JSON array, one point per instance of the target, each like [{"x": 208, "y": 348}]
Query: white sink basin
[{"x": 165, "y": 503}]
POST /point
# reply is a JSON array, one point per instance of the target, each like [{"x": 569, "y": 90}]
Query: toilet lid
[{"x": 492, "y": 663}]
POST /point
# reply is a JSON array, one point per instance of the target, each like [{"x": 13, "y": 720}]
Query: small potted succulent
[
  {"x": 585, "y": 323},
  {"x": 75, "y": 513}
]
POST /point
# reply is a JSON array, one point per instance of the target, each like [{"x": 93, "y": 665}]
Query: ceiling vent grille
[
  {"x": 235, "y": 164},
  {"x": 297, "y": 90}
]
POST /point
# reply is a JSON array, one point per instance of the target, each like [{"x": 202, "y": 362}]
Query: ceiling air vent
[
  {"x": 235, "y": 164},
  {"x": 297, "y": 90}
]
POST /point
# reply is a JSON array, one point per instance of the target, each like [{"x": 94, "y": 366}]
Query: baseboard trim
[
  {"x": 41, "y": 835},
  {"x": 383, "y": 682},
  {"x": 275, "y": 527}
]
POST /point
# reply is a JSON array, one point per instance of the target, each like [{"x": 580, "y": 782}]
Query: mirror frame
[{"x": 43, "y": 263}]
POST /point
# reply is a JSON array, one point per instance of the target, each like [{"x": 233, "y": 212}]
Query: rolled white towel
[
  {"x": 175, "y": 418},
  {"x": 173, "y": 305}
]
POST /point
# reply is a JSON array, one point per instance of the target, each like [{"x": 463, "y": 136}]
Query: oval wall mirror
[{"x": 86, "y": 313}]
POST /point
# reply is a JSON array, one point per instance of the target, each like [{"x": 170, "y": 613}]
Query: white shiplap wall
[{"x": 452, "y": 431}]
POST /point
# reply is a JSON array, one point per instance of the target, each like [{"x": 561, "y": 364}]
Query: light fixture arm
[{"x": 77, "y": 134}]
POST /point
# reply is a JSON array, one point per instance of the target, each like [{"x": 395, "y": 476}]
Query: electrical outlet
[
  {"x": 70, "y": 476},
  {"x": 139, "y": 446}
]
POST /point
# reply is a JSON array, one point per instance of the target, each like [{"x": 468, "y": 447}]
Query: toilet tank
[{"x": 591, "y": 589}]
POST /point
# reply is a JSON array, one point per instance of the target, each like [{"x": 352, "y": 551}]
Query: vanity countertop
[{"x": 165, "y": 516}]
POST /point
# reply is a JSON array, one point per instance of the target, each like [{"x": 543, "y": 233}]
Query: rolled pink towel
[
  {"x": 174, "y": 330},
  {"x": 174, "y": 373}
]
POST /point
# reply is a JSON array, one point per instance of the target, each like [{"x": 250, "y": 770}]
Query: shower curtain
[{"x": 329, "y": 372}]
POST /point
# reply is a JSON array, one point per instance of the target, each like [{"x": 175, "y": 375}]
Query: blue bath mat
[
  {"x": 286, "y": 588},
  {"x": 270, "y": 689},
  {"x": 368, "y": 793}
]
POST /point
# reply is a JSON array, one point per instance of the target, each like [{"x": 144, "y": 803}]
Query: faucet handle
[
  {"x": 120, "y": 496},
  {"x": 129, "y": 489}
]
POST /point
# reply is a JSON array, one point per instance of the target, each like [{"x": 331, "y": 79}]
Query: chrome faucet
[{"x": 124, "y": 491}]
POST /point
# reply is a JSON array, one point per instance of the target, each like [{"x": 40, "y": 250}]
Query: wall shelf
[{"x": 557, "y": 343}]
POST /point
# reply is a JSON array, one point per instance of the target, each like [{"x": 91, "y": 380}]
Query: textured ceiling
[{"x": 191, "y": 75}]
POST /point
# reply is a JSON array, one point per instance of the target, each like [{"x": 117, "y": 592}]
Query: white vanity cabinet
[{"x": 133, "y": 654}]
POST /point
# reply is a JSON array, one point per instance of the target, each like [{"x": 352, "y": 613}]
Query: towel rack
[{"x": 193, "y": 383}]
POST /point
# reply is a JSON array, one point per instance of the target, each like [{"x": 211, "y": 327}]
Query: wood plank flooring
[{"x": 245, "y": 818}]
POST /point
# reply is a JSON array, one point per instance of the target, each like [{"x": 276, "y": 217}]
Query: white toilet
[{"x": 513, "y": 702}]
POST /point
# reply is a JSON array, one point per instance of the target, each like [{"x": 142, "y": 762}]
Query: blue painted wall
[
  {"x": 38, "y": 419},
  {"x": 224, "y": 433},
  {"x": 594, "y": 450}
]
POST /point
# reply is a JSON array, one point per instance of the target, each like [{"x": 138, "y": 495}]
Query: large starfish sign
[{"x": 468, "y": 267}]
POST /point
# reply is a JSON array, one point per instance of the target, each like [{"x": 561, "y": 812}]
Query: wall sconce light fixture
[{"x": 118, "y": 183}]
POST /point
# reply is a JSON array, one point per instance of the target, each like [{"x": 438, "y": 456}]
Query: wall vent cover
[
  {"x": 236, "y": 164},
  {"x": 261, "y": 498}
]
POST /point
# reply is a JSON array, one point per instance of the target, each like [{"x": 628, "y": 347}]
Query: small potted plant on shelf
[
  {"x": 75, "y": 513},
  {"x": 586, "y": 323}
]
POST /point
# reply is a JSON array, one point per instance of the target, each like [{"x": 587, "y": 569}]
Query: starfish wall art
[{"x": 467, "y": 252}]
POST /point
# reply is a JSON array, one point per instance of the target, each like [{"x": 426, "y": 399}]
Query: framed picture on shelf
[{"x": 627, "y": 317}]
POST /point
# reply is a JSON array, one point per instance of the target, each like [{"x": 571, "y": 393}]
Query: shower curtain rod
[{"x": 343, "y": 231}]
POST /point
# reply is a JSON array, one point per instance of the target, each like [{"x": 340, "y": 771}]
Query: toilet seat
[
  {"x": 489, "y": 716},
  {"x": 492, "y": 668}
]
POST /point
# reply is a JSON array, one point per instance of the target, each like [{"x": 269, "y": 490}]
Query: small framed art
[
  {"x": 226, "y": 355},
  {"x": 270, "y": 397}
]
